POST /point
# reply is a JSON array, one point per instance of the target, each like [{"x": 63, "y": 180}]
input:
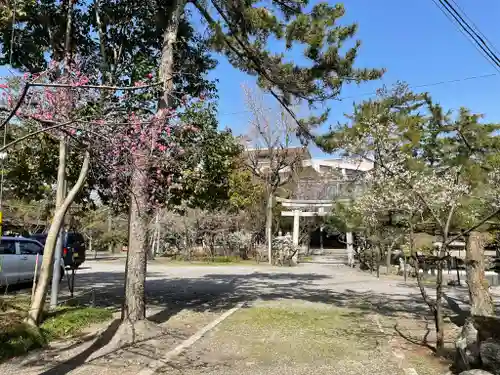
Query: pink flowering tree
[{"x": 144, "y": 159}]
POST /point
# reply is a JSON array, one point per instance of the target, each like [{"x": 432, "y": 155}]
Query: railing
[{"x": 332, "y": 190}]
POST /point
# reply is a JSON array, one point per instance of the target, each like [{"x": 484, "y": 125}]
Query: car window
[
  {"x": 7, "y": 247},
  {"x": 75, "y": 239},
  {"x": 40, "y": 238},
  {"x": 30, "y": 248}
]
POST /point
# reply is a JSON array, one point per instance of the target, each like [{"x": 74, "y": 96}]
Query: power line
[
  {"x": 372, "y": 93},
  {"x": 473, "y": 34},
  {"x": 478, "y": 35},
  {"x": 475, "y": 26},
  {"x": 457, "y": 16},
  {"x": 427, "y": 85}
]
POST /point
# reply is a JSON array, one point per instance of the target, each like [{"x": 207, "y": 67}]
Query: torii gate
[{"x": 320, "y": 204}]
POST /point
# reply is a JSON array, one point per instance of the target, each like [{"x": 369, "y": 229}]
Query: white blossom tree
[{"x": 425, "y": 171}]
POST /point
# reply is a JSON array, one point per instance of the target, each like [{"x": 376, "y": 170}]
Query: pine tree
[{"x": 243, "y": 31}]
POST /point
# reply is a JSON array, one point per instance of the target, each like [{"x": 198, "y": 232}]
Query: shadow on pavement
[
  {"x": 216, "y": 292},
  {"x": 219, "y": 292}
]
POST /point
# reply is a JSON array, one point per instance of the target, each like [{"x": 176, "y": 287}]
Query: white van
[{"x": 18, "y": 259}]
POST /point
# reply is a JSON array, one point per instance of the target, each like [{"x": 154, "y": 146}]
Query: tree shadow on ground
[
  {"x": 79, "y": 359},
  {"x": 303, "y": 287},
  {"x": 218, "y": 292},
  {"x": 215, "y": 292}
]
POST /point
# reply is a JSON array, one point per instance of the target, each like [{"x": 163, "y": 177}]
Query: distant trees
[{"x": 272, "y": 157}]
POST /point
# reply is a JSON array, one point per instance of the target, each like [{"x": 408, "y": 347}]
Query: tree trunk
[
  {"x": 413, "y": 256},
  {"x": 60, "y": 195},
  {"x": 480, "y": 299},
  {"x": 37, "y": 305},
  {"x": 134, "y": 306},
  {"x": 167, "y": 52},
  {"x": 269, "y": 226},
  {"x": 438, "y": 316}
]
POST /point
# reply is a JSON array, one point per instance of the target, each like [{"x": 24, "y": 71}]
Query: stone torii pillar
[
  {"x": 296, "y": 227},
  {"x": 295, "y": 236},
  {"x": 350, "y": 249},
  {"x": 297, "y": 214}
]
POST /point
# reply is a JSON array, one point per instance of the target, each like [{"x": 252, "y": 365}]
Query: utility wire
[
  {"x": 372, "y": 93},
  {"x": 458, "y": 18},
  {"x": 467, "y": 21},
  {"x": 475, "y": 26},
  {"x": 477, "y": 34}
]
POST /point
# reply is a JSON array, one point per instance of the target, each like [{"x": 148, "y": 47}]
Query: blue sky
[{"x": 416, "y": 43}]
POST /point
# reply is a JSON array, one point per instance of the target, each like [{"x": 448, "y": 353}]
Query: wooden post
[
  {"x": 321, "y": 231},
  {"x": 404, "y": 267},
  {"x": 111, "y": 248},
  {"x": 90, "y": 247},
  {"x": 34, "y": 277}
]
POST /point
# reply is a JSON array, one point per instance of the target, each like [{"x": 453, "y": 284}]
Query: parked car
[
  {"x": 18, "y": 260},
  {"x": 73, "y": 247}
]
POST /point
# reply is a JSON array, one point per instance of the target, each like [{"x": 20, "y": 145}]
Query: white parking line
[{"x": 153, "y": 366}]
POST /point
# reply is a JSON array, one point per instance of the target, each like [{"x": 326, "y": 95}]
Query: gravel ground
[
  {"x": 185, "y": 298},
  {"x": 290, "y": 337}
]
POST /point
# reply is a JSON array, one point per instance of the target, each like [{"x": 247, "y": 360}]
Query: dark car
[{"x": 73, "y": 247}]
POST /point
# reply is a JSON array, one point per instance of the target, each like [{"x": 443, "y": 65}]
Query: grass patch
[
  {"x": 306, "y": 259},
  {"x": 301, "y": 334},
  {"x": 218, "y": 261},
  {"x": 70, "y": 321},
  {"x": 309, "y": 320},
  {"x": 18, "y": 338},
  {"x": 224, "y": 259},
  {"x": 14, "y": 302},
  {"x": 426, "y": 363}
]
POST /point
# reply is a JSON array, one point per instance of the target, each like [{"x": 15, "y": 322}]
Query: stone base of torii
[{"x": 321, "y": 208}]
